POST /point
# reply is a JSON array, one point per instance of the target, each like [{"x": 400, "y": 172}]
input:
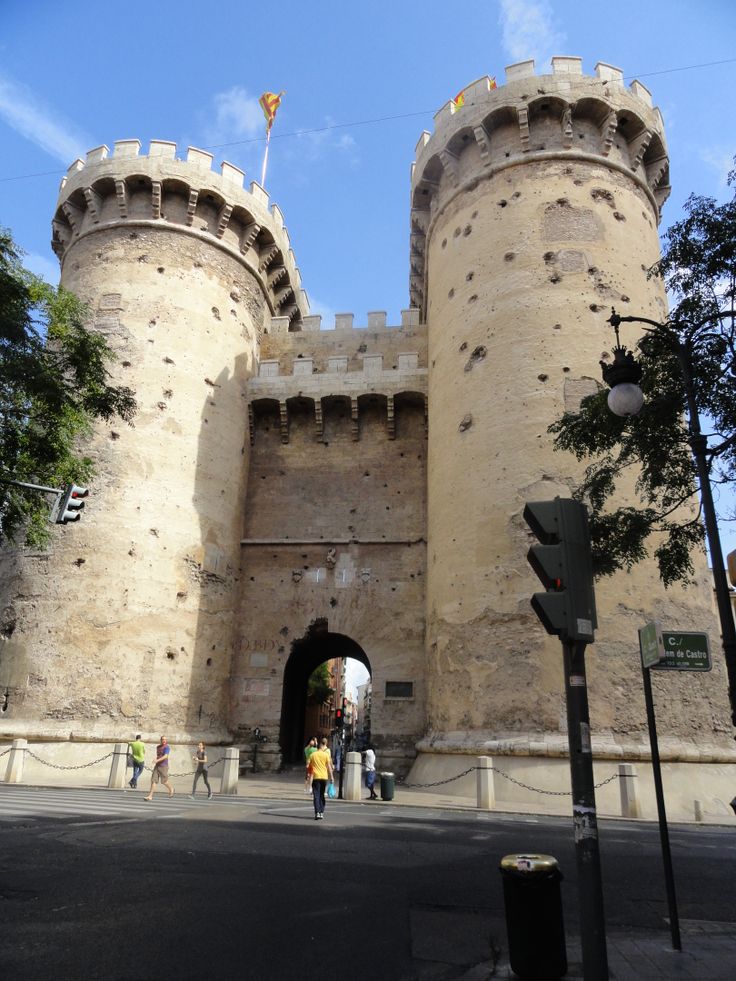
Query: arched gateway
[{"x": 317, "y": 646}]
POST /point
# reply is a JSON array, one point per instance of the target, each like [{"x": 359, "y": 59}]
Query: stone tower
[
  {"x": 291, "y": 493},
  {"x": 534, "y": 209},
  {"x": 129, "y": 620}
]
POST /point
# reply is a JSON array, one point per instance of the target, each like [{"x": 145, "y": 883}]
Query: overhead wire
[{"x": 373, "y": 121}]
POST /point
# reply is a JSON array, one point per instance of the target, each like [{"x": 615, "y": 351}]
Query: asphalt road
[{"x": 100, "y": 886}]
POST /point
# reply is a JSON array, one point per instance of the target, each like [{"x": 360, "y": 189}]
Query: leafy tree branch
[
  {"x": 695, "y": 350},
  {"x": 54, "y": 383}
]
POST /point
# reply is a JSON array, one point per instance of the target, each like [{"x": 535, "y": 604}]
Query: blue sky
[{"x": 75, "y": 74}]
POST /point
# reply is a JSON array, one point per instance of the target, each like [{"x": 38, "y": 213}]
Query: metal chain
[
  {"x": 190, "y": 773},
  {"x": 58, "y": 766},
  {"x": 83, "y": 766},
  {"x": 438, "y": 783},
  {"x": 519, "y": 783}
]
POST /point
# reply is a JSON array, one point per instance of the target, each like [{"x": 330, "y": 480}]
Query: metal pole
[
  {"x": 664, "y": 835},
  {"x": 38, "y": 487},
  {"x": 342, "y": 760},
  {"x": 699, "y": 447},
  {"x": 265, "y": 158},
  {"x": 587, "y": 855}
]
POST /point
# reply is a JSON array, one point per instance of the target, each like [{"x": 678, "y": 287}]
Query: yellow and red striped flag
[
  {"x": 492, "y": 84},
  {"x": 458, "y": 102},
  {"x": 270, "y": 102}
]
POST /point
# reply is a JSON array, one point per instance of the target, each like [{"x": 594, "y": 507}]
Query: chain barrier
[
  {"x": 83, "y": 766},
  {"x": 188, "y": 773},
  {"x": 438, "y": 783},
  {"x": 58, "y": 766},
  {"x": 506, "y": 776},
  {"x": 409, "y": 786}
]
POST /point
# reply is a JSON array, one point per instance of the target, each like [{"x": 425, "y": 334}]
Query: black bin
[
  {"x": 387, "y": 786},
  {"x": 534, "y": 924}
]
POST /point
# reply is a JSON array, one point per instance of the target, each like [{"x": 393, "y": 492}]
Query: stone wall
[{"x": 535, "y": 211}]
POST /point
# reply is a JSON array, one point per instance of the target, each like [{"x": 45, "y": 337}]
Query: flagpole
[{"x": 265, "y": 159}]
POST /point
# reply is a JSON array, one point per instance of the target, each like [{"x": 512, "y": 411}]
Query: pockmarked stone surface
[{"x": 292, "y": 491}]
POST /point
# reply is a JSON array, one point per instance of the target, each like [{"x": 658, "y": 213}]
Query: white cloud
[
  {"x": 528, "y": 31},
  {"x": 40, "y": 124},
  {"x": 236, "y": 115},
  {"x": 317, "y": 308},
  {"x": 722, "y": 162},
  {"x": 313, "y": 145}
]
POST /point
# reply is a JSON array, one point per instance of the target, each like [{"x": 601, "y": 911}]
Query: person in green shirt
[
  {"x": 310, "y": 748},
  {"x": 138, "y": 751}
]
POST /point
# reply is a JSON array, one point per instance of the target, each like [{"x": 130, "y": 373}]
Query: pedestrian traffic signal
[
  {"x": 70, "y": 505},
  {"x": 339, "y": 718},
  {"x": 563, "y": 563}
]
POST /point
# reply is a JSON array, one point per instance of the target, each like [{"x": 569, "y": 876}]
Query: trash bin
[
  {"x": 534, "y": 925},
  {"x": 387, "y": 786}
]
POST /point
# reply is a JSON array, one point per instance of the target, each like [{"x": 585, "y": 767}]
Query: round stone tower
[
  {"x": 128, "y": 623},
  {"x": 535, "y": 209}
]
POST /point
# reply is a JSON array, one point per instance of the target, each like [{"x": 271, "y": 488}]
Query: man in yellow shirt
[{"x": 322, "y": 770}]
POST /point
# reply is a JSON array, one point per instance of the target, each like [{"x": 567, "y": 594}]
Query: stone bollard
[
  {"x": 630, "y": 806},
  {"x": 16, "y": 759},
  {"x": 117, "y": 769},
  {"x": 351, "y": 786},
  {"x": 485, "y": 784},
  {"x": 230, "y": 771},
  {"x": 698, "y": 809}
]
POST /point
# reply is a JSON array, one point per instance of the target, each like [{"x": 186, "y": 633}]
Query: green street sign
[
  {"x": 651, "y": 644},
  {"x": 684, "y": 650}
]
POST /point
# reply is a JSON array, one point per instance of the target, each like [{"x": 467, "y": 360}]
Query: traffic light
[
  {"x": 70, "y": 505},
  {"x": 563, "y": 563},
  {"x": 339, "y": 718}
]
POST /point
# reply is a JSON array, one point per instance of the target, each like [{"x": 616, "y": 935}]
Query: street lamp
[{"x": 627, "y": 399}]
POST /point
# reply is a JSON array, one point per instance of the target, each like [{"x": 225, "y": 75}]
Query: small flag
[
  {"x": 458, "y": 102},
  {"x": 270, "y": 102},
  {"x": 492, "y": 84}
]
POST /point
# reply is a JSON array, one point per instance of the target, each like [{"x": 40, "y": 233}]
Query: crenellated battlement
[
  {"x": 370, "y": 351},
  {"x": 162, "y": 191},
  {"x": 345, "y": 321},
  {"x": 353, "y": 368},
  {"x": 564, "y": 115}
]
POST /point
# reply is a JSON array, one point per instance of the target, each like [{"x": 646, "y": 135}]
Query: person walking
[
  {"x": 161, "y": 769},
  {"x": 200, "y": 758},
  {"x": 137, "y": 751},
  {"x": 322, "y": 770},
  {"x": 369, "y": 762},
  {"x": 310, "y": 748}
]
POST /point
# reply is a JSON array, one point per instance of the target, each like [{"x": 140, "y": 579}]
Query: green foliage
[
  {"x": 694, "y": 350},
  {"x": 318, "y": 685},
  {"x": 53, "y": 385}
]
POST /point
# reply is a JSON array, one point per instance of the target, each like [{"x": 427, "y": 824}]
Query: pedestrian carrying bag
[{"x": 331, "y": 789}]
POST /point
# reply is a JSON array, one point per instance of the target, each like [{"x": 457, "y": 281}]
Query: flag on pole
[
  {"x": 458, "y": 102},
  {"x": 270, "y": 102}
]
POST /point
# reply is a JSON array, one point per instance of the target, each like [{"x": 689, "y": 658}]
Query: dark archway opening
[{"x": 307, "y": 653}]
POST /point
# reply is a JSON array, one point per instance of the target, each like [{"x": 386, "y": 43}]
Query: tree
[
  {"x": 53, "y": 385},
  {"x": 318, "y": 685},
  {"x": 698, "y": 268}
]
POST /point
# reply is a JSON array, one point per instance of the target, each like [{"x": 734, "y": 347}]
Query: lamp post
[{"x": 626, "y": 399}]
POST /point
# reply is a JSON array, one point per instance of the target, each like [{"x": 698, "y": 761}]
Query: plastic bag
[{"x": 331, "y": 789}]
